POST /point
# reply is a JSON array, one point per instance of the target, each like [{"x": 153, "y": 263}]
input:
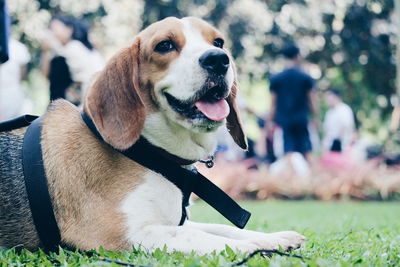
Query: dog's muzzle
[{"x": 208, "y": 104}]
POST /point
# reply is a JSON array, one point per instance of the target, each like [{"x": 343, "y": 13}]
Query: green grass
[{"x": 339, "y": 234}]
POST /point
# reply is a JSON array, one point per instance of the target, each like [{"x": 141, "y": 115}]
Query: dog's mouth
[{"x": 209, "y": 103}]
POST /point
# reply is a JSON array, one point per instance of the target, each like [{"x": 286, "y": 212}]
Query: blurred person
[
  {"x": 4, "y": 31},
  {"x": 69, "y": 59},
  {"x": 4, "y": 28},
  {"x": 292, "y": 103},
  {"x": 338, "y": 124},
  {"x": 226, "y": 145},
  {"x": 335, "y": 159},
  {"x": 265, "y": 144},
  {"x": 395, "y": 117},
  {"x": 12, "y": 98}
]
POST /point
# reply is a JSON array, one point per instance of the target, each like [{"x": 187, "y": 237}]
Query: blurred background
[{"x": 349, "y": 45}]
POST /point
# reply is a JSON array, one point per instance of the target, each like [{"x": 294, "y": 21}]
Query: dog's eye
[
  {"x": 164, "y": 47},
  {"x": 218, "y": 42}
]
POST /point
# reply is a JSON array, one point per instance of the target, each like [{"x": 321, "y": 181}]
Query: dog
[{"x": 175, "y": 86}]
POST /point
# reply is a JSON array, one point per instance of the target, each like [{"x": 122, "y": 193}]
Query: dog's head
[{"x": 178, "y": 67}]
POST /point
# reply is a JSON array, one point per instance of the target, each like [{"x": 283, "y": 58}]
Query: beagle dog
[{"x": 174, "y": 86}]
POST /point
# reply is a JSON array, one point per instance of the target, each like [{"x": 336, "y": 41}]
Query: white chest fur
[
  {"x": 155, "y": 202},
  {"x": 161, "y": 132}
]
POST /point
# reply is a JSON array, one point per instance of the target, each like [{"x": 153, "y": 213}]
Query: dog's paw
[
  {"x": 245, "y": 247},
  {"x": 286, "y": 240},
  {"x": 293, "y": 239}
]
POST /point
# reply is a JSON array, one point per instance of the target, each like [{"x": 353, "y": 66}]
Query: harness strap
[
  {"x": 220, "y": 201},
  {"x": 37, "y": 187},
  {"x": 186, "y": 180},
  {"x": 142, "y": 152},
  {"x": 17, "y": 123}
]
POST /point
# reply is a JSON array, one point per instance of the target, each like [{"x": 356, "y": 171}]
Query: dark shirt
[
  {"x": 59, "y": 78},
  {"x": 291, "y": 87}
]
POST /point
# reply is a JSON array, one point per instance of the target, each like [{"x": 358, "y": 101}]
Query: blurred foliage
[{"x": 348, "y": 44}]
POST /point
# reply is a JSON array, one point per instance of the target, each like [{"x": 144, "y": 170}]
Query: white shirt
[
  {"x": 11, "y": 96},
  {"x": 82, "y": 62},
  {"x": 339, "y": 124}
]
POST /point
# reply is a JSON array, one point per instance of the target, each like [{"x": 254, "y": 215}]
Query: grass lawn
[{"x": 339, "y": 234}]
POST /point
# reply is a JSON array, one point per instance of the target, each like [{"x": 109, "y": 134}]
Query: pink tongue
[{"x": 216, "y": 111}]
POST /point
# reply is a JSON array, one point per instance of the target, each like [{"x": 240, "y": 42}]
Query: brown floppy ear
[
  {"x": 113, "y": 101},
  {"x": 234, "y": 123}
]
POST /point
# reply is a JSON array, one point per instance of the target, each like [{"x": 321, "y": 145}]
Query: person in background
[
  {"x": 12, "y": 99},
  {"x": 292, "y": 104},
  {"x": 69, "y": 59},
  {"x": 339, "y": 124},
  {"x": 4, "y": 31},
  {"x": 226, "y": 145}
]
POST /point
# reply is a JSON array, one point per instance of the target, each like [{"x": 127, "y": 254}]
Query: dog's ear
[
  {"x": 234, "y": 123},
  {"x": 114, "y": 102}
]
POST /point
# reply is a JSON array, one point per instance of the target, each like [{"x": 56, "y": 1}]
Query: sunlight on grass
[{"x": 338, "y": 233}]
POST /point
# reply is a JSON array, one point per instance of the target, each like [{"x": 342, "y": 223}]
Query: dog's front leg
[
  {"x": 286, "y": 239},
  {"x": 186, "y": 239}
]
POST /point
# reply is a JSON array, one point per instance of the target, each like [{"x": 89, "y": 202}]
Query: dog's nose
[{"x": 215, "y": 61}]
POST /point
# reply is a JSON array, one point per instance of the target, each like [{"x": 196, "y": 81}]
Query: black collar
[{"x": 187, "y": 181}]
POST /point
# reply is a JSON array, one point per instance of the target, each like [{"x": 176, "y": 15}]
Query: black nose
[{"x": 215, "y": 61}]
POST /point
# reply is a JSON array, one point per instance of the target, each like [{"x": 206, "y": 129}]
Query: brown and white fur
[{"x": 101, "y": 198}]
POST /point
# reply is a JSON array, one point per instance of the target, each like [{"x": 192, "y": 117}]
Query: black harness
[
  {"x": 142, "y": 152},
  {"x": 35, "y": 180}
]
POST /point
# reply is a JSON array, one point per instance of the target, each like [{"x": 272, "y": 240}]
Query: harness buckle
[{"x": 208, "y": 162}]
